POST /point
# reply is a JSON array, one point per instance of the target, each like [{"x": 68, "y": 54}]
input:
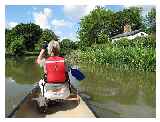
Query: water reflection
[
  {"x": 125, "y": 93},
  {"x": 23, "y": 71},
  {"x": 114, "y": 93},
  {"x": 20, "y": 74}
]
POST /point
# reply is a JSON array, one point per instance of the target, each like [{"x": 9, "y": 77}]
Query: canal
[{"x": 114, "y": 92}]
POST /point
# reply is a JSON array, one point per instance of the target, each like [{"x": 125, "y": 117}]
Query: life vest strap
[{"x": 48, "y": 61}]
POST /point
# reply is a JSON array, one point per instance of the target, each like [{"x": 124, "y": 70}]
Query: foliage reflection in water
[
  {"x": 114, "y": 92},
  {"x": 20, "y": 75},
  {"x": 120, "y": 93}
]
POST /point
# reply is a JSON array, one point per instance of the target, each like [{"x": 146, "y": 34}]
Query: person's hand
[{"x": 45, "y": 45}]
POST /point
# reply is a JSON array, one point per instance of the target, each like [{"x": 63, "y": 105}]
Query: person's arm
[
  {"x": 40, "y": 56},
  {"x": 44, "y": 47}
]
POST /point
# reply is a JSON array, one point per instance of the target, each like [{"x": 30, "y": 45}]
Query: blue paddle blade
[{"x": 77, "y": 74}]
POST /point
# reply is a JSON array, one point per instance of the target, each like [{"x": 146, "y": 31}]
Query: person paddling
[{"x": 55, "y": 69}]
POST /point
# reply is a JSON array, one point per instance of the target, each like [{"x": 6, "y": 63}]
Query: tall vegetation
[
  {"x": 94, "y": 35},
  {"x": 138, "y": 53},
  {"x": 101, "y": 24}
]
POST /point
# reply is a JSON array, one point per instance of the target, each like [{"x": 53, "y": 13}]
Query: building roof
[{"x": 126, "y": 34}]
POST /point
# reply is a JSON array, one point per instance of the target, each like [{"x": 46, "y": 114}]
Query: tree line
[
  {"x": 30, "y": 37},
  {"x": 95, "y": 28},
  {"x": 101, "y": 24}
]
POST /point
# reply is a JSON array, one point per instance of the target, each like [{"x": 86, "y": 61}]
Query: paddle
[{"x": 75, "y": 72}]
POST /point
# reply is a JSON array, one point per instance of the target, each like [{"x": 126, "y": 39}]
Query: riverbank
[
  {"x": 136, "y": 54},
  {"x": 26, "y": 53}
]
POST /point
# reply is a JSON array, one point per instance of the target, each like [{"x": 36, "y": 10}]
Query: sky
[{"x": 62, "y": 19}]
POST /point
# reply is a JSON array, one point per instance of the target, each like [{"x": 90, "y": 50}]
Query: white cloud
[
  {"x": 11, "y": 24},
  {"x": 41, "y": 18},
  {"x": 34, "y": 8},
  {"x": 77, "y": 11},
  {"x": 58, "y": 32},
  {"x": 128, "y": 6},
  {"x": 74, "y": 12},
  {"x": 60, "y": 23},
  {"x": 62, "y": 28},
  {"x": 47, "y": 11},
  {"x": 71, "y": 36},
  {"x": 89, "y": 8}
]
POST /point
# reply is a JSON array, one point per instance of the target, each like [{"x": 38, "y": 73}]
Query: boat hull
[{"x": 66, "y": 108}]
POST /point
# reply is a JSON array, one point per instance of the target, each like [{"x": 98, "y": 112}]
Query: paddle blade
[
  {"x": 74, "y": 82},
  {"x": 77, "y": 74}
]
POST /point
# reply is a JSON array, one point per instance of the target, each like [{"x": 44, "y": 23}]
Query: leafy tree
[
  {"x": 67, "y": 45},
  {"x": 91, "y": 26},
  {"x": 133, "y": 17},
  {"x": 27, "y": 37},
  {"x": 102, "y": 38},
  {"x": 47, "y": 35},
  {"x": 102, "y": 23},
  {"x": 9, "y": 34},
  {"x": 17, "y": 45},
  {"x": 151, "y": 20},
  {"x": 30, "y": 32}
]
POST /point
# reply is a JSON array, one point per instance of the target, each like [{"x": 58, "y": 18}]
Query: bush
[
  {"x": 17, "y": 45},
  {"x": 137, "y": 54},
  {"x": 140, "y": 42}
]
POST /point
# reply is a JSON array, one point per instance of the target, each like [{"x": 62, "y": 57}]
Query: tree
[
  {"x": 47, "y": 35},
  {"x": 94, "y": 24},
  {"x": 151, "y": 20},
  {"x": 31, "y": 35},
  {"x": 30, "y": 32},
  {"x": 9, "y": 34},
  {"x": 103, "y": 24},
  {"x": 66, "y": 46},
  {"x": 17, "y": 45},
  {"x": 133, "y": 17}
]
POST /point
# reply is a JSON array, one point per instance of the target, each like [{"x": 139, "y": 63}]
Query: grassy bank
[
  {"x": 26, "y": 53},
  {"x": 136, "y": 54}
]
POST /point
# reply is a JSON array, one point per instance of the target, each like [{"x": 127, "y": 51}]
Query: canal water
[{"x": 113, "y": 92}]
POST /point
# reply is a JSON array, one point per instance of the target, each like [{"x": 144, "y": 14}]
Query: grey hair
[{"x": 53, "y": 47}]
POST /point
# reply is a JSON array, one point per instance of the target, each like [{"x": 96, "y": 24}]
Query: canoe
[{"x": 27, "y": 108}]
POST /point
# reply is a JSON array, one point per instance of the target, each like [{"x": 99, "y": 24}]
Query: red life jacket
[{"x": 55, "y": 69}]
